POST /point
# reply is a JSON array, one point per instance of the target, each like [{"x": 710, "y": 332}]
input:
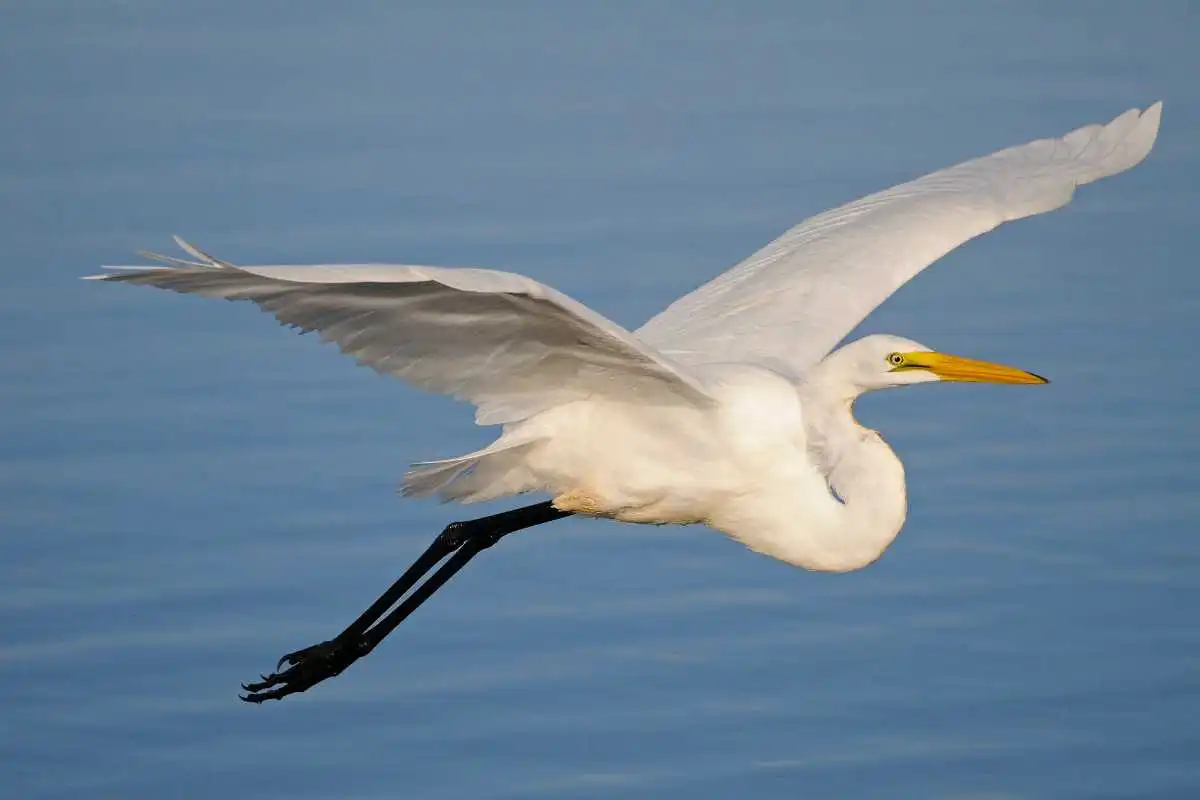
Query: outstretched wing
[
  {"x": 790, "y": 303},
  {"x": 504, "y": 342}
]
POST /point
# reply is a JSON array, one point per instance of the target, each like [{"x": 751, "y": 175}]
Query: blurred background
[{"x": 188, "y": 491}]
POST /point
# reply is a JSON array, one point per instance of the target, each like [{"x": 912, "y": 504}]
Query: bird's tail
[{"x": 498, "y": 470}]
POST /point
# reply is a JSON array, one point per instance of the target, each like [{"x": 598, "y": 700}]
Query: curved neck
[{"x": 866, "y": 482}]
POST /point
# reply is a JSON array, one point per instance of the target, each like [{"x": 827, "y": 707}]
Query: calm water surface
[{"x": 187, "y": 491}]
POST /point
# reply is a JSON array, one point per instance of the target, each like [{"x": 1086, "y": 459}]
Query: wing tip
[
  {"x": 1140, "y": 139},
  {"x": 204, "y": 260},
  {"x": 1145, "y": 129},
  {"x": 1151, "y": 119},
  {"x": 1116, "y": 146},
  {"x": 116, "y": 272}
]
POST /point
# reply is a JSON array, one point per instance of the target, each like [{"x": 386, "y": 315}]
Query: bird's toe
[{"x": 305, "y": 668}]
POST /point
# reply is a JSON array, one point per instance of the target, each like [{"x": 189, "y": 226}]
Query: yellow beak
[{"x": 957, "y": 368}]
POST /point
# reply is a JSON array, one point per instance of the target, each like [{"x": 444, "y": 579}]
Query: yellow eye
[{"x": 895, "y": 359}]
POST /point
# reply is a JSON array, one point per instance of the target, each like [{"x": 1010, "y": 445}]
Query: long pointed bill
[{"x": 957, "y": 368}]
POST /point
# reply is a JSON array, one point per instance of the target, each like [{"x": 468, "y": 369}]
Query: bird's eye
[{"x": 895, "y": 359}]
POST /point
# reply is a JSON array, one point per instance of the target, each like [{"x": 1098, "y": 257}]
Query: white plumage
[{"x": 728, "y": 407}]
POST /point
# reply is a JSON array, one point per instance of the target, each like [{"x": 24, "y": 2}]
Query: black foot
[{"x": 305, "y": 669}]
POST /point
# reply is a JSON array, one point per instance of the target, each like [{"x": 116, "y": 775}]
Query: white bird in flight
[{"x": 731, "y": 408}]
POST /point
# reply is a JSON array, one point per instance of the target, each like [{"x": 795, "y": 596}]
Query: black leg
[{"x": 462, "y": 541}]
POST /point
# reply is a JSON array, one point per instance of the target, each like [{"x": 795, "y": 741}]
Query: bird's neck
[{"x": 866, "y": 483}]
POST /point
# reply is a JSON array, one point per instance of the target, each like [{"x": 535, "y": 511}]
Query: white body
[
  {"x": 757, "y": 466},
  {"x": 727, "y": 409}
]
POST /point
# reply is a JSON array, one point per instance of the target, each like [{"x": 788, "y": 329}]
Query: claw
[
  {"x": 306, "y": 668},
  {"x": 267, "y": 682},
  {"x": 273, "y": 694},
  {"x": 295, "y": 657}
]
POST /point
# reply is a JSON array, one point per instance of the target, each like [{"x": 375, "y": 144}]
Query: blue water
[{"x": 187, "y": 491}]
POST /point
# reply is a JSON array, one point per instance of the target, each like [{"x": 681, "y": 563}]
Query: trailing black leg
[{"x": 461, "y": 541}]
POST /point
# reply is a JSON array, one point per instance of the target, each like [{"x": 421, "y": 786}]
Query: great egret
[{"x": 726, "y": 409}]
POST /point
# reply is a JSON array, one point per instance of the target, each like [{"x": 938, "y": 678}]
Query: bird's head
[{"x": 882, "y": 361}]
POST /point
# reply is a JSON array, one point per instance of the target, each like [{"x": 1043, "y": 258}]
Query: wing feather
[
  {"x": 504, "y": 342},
  {"x": 791, "y": 302}
]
